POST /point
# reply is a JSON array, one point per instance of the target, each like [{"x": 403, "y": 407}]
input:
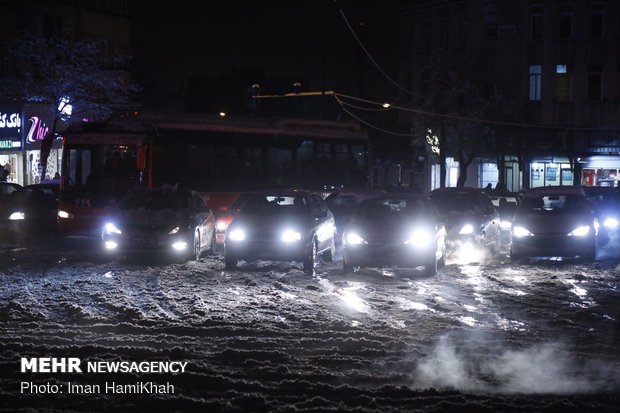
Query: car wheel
[
  {"x": 330, "y": 255},
  {"x": 431, "y": 266},
  {"x": 197, "y": 249},
  {"x": 211, "y": 249},
  {"x": 230, "y": 263},
  {"x": 310, "y": 260},
  {"x": 347, "y": 268}
]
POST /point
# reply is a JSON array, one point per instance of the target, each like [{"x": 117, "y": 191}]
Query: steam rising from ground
[{"x": 539, "y": 369}]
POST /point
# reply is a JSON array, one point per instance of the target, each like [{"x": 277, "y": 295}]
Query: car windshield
[
  {"x": 339, "y": 202},
  {"x": 156, "y": 201},
  {"x": 455, "y": 202},
  {"x": 556, "y": 204},
  {"x": 391, "y": 209},
  {"x": 276, "y": 204}
]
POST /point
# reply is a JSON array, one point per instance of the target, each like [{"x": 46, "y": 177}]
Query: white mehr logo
[{"x": 51, "y": 365}]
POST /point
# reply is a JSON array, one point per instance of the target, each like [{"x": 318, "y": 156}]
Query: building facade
[
  {"x": 20, "y": 147},
  {"x": 555, "y": 64}
]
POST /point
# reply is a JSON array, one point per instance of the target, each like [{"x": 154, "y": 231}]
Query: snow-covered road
[{"x": 537, "y": 336}]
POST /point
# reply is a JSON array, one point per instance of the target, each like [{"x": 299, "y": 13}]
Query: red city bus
[{"x": 220, "y": 158}]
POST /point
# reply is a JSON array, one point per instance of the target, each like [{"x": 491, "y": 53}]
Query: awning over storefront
[{"x": 600, "y": 162}]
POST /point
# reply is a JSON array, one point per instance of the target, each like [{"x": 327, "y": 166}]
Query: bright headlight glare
[
  {"x": 290, "y": 236},
  {"x": 174, "y": 231},
  {"x": 110, "y": 228},
  {"x": 420, "y": 238},
  {"x": 221, "y": 226},
  {"x": 64, "y": 214},
  {"x": 236, "y": 235},
  {"x": 16, "y": 216},
  {"x": 505, "y": 224},
  {"x": 180, "y": 246},
  {"x": 521, "y": 232},
  {"x": 354, "y": 239},
  {"x": 467, "y": 229},
  {"x": 111, "y": 245},
  {"x": 581, "y": 231},
  {"x": 610, "y": 223}
]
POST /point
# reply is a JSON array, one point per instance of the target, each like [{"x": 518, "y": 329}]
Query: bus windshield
[{"x": 101, "y": 166}]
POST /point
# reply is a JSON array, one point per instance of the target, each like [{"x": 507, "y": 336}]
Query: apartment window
[
  {"x": 562, "y": 84},
  {"x": 566, "y": 25},
  {"x": 536, "y": 22},
  {"x": 595, "y": 21},
  {"x": 535, "y": 82},
  {"x": 594, "y": 86}
]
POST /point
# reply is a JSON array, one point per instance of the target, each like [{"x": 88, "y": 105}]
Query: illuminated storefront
[
  {"x": 38, "y": 121},
  {"x": 550, "y": 172},
  {"x": 11, "y": 143}
]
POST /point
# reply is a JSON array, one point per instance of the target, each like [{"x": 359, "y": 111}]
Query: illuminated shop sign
[
  {"x": 10, "y": 120},
  {"x": 10, "y": 128},
  {"x": 9, "y": 144},
  {"x": 37, "y": 131}
]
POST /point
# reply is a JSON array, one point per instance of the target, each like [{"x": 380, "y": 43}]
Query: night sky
[{"x": 304, "y": 39}]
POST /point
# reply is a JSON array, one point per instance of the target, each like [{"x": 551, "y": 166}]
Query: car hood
[
  {"x": 384, "y": 231},
  {"x": 551, "y": 223},
  {"x": 150, "y": 218},
  {"x": 270, "y": 223},
  {"x": 458, "y": 219}
]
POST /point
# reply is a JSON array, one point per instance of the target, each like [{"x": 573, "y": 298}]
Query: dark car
[
  {"x": 175, "y": 222},
  {"x": 605, "y": 201},
  {"x": 396, "y": 230},
  {"x": 471, "y": 218},
  {"x": 226, "y": 216},
  {"x": 42, "y": 206},
  {"x": 554, "y": 222},
  {"x": 13, "y": 211},
  {"x": 294, "y": 225},
  {"x": 344, "y": 202}
]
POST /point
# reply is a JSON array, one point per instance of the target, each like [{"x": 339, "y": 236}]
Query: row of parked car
[{"x": 376, "y": 228}]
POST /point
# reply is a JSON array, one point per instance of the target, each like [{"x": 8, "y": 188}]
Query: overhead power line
[{"x": 374, "y": 62}]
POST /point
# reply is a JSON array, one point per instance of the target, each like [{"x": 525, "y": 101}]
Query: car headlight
[
  {"x": 174, "y": 231},
  {"x": 420, "y": 238},
  {"x": 110, "y": 228},
  {"x": 221, "y": 226},
  {"x": 354, "y": 239},
  {"x": 611, "y": 223},
  {"x": 64, "y": 214},
  {"x": 16, "y": 216},
  {"x": 290, "y": 236},
  {"x": 236, "y": 235},
  {"x": 521, "y": 232},
  {"x": 505, "y": 224},
  {"x": 180, "y": 246},
  {"x": 467, "y": 229},
  {"x": 581, "y": 231}
]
